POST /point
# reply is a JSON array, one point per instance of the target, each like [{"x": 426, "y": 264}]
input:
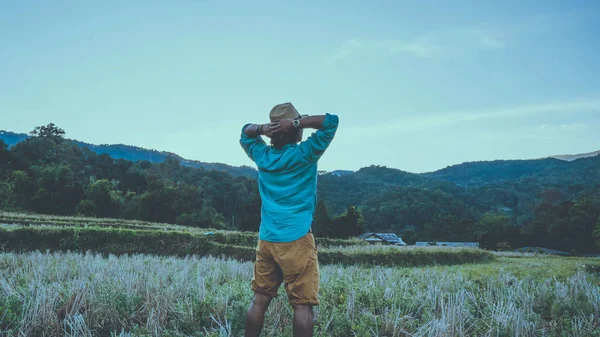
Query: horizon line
[{"x": 592, "y": 153}]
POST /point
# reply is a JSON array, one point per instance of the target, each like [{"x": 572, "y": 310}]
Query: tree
[
  {"x": 353, "y": 221},
  {"x": 575, "y": 233},
  {"x": 134, "y": 180},
  {"x": 4, "y": 155},
  {"x": 106, "y": 200},
  {"x": 447, "y": 227},
  {"x": 24, "y": 187},
  {"x": 158, "y": 203},
  {"x": 597, "y": 234},
  {"x": 48, "y": 131},
  {"x": 86, "y": 208},
  {"x": 494, "y": 228},
  {"x": 5, "y": 159},
  {"x": 409, "y": 236},
  {"x": 322, "y": 220},
  {"x": 58, "y": 191},
  {"x": 566, "y": 226},
  {"x": 132, "y": 205},
  {"x": 208, "y": 217},
  {"x": 250, "y": 218},
  {"x": 546, "y": 218},
  {"x": 347, "y": 225}
]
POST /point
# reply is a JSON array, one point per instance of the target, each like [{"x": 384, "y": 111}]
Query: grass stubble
[{"x": 86, "y": 294}]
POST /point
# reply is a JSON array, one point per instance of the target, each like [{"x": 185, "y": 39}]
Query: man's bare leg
[
  {"x": 303, "y": 320},
  {"x": 255, "y": 317}
]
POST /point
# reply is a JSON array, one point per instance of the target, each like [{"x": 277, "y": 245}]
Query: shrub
[
  {"x": 85, "y": 207},
  {"x": 503, "y": 247}
]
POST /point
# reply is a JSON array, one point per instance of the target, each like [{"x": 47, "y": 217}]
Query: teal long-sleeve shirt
[{"x": 287, "y": 181}]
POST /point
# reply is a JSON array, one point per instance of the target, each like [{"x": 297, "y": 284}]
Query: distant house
[
  {"x": 447, "y": 244},
  {"x": 382, "y": 239}
]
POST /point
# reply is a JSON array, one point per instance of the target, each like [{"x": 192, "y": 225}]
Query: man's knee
[
  {"x": 261, "y": 301},
  {"x": 303, "y": 309}
]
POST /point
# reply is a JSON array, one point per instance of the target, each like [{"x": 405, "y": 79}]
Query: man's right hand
[
  {"x": 268, "y": 130},
  {"x": 282, "y": 126}
]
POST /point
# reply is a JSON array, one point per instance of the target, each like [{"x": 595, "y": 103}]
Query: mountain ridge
[
  {"x": 136, "y": 153},
  {"x": 467, "y": 173}
]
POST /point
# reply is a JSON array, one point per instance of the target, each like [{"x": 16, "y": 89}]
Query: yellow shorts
[{"x": 293, "y": 263}]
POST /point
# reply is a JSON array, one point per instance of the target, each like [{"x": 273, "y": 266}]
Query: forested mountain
[
  {"x": 550, "y": 169},
  {"x": 11, "y": 138},
  {"x": 134, "y": 153},
  {"x": 539, "y": 208},
  {"x": 546, "y": 202},
  {"x": 485, "y": 172}
]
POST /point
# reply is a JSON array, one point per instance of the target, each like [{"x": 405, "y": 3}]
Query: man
[{"x": 287, "y": 182}]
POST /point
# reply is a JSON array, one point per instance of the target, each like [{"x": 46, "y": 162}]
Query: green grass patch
[
  {"x": 535, "y": 268},
  {"x": 126, "y": 241},
  {"x": 237, "y": 238}
]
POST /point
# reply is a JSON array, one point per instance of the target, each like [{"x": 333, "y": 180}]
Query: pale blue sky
[{"x": 417, "y": 86}]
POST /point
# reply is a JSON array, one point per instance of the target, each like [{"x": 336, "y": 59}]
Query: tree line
[{"x": 554, "y": 206}]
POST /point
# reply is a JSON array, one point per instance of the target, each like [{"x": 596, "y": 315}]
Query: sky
[{"x": 417, "y": 85}]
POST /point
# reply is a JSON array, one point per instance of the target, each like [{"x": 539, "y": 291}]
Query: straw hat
[{"x": 284, "y": 111}]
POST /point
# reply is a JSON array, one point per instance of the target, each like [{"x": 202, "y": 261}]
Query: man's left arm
[{"x": 255, "y": 130}]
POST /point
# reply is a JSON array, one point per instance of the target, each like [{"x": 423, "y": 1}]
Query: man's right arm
[
  {"x": 314, "y": 147},
  {"x": 312, "y": 122}
]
